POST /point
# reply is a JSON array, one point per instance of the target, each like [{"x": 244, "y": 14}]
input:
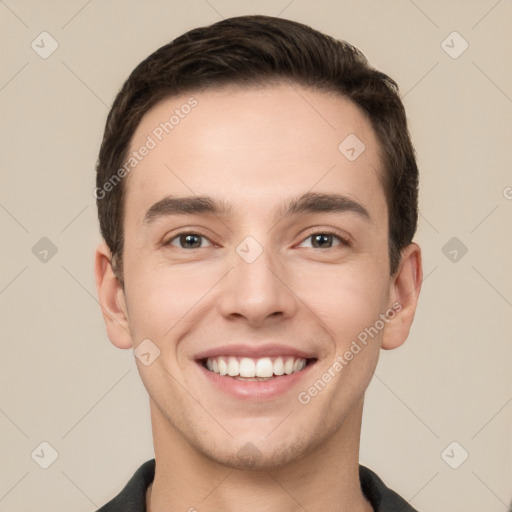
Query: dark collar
[{"x": 133, "y": 497}]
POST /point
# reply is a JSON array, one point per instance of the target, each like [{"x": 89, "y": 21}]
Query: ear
[
  {"x": 112, "y": 300},
  {"x": 404, "y": 291}
]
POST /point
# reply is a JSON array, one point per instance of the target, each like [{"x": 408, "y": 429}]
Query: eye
[
  {"x": 319, "y": 240},
  {"x": 188, "y": 241},
  {"x": 325, "y": 240}
]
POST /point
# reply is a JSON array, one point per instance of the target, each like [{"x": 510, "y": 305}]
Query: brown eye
[
  {"x": 187, "y": 241},
  {"x": 325, "y": 240},
  {"x": 322, "y": 240}
]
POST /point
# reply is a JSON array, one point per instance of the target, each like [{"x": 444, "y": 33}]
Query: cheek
[
  {"x": 160, "y": 299},
  {"x": 347, "y": 299}
]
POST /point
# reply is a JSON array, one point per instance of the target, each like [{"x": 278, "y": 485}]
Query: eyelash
[{"x": 343, "y": 240}]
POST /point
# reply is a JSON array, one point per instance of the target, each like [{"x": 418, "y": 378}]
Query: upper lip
[{"x": 254, "y": 351}]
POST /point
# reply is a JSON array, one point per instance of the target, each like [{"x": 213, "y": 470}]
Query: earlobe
[
  {"x": 112, "y": 300},
  {"x": 404, "y": 291}
]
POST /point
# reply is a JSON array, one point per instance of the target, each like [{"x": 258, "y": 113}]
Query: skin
[{"x": 256, "y": 148}]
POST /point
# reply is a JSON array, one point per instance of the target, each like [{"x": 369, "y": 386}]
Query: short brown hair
[{"x": 253, "y": 50}]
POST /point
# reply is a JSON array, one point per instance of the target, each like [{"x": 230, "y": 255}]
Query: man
[{"x": 257, "y": 195}]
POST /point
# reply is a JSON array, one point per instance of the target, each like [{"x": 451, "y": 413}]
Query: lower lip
[{"x": 256, "y": 390}]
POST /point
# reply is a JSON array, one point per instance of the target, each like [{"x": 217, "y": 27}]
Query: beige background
[{"x": 64, "y": 383}]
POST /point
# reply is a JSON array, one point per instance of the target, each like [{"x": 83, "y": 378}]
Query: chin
[{"x": 261, "y": 455}]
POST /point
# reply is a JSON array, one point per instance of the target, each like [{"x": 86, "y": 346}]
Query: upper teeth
[{"x": 247, "y": 367}]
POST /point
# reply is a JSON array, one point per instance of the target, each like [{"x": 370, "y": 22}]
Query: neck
[{"x": 325, "y": 479}]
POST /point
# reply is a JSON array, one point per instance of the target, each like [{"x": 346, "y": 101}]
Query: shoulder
[
  {"x": 133, "y": 496},
  {"x": 381, "y": 497}
]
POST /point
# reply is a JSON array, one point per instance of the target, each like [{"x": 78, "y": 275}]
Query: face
[{"x": 255, "y": 259}]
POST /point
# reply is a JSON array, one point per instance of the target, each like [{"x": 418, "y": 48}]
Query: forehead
[{"x": 251, "y": 146}]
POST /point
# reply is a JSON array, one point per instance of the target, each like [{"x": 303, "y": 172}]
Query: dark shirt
[{"x": 133, "y": 497}]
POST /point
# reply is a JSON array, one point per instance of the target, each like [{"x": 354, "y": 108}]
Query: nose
[{"x": 259, "y": 291}]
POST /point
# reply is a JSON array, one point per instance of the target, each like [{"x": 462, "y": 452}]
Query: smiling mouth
[{"x": 250, "y": 369}]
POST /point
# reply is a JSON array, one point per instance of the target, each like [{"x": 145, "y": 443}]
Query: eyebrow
[{"x": 307, "y": 203}]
